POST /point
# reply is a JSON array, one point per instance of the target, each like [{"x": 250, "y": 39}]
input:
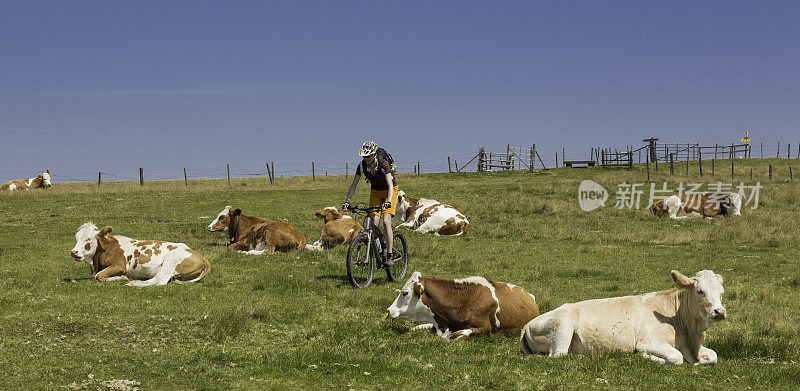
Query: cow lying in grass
[
  {"x": 42, "y": 181},
  {"x": 339, "y": 228},
  {"x": 463, "y": 307},
  {"x": 145, "y": 262},
  {"x": 255, "y": 235},
  {"x": 667, "y": 326},
  {"x": 429, "y": 216},
  {"x": 698, "y": 205}
]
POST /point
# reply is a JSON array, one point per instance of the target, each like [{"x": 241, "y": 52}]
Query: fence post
[
  {"x": 732, "y": 154},
  {"x": 770, "y": 172},
  {"x": 419, "y": 168},
  {"x": 273, "y": 172},
  {"x": 141, "y": 176},
  {"x": 269, "y": 173},
  {"x": 630, "y": 159},
  {"x": 313, "y": 172},
  {"x": 762, "y": 150},
  {"x": 455, "y": 162},
  {"x": 751, "y": 174},
  {"x": 647, "y": 163},
  {"x": 779, "y": 150},
  {"x": 700, "y": 160},
  {"x": 791, "y": 178},
  {"x": 449, "y": 168},
  {"x": 480, "y": 159},
  {"x": 185, "y": 178},
  {"x": 687, "y": 166},
  {"x": 712, "y": 166},
  {"x": 671, "y": 167},
  {"x": 715, "y": 151},
  {"x": 533, "y": 156},
  {"x": 556, "y": 160},
  {"x": 229, "y": 173},
  {"x": 788, "y": 146},
  {"x": 99, "y": 178},
  {"x": 346, "y": 170},
  {"x": 732, "y": 160},
  {"x": 563, "y": 156}
]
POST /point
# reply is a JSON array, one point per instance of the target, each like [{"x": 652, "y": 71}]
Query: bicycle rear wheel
[
  {"x": 400, "y": 250},
  {"x": 360, "y": 264}
]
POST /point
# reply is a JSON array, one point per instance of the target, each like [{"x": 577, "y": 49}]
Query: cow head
[
  {"x": 221, "y": 222},
  {"x": 330, "y": 214},
  {"x": 45, "y": 178},
  {"x": 408, "y": 304},
  {"x": 403, "y": 203},
  {"x": 735, "y": 205},
  {"x": 704, "y": 294},
  {"x": 85, "y": 243}
]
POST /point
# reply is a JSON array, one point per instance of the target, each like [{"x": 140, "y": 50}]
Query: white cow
[
  {"x": 667, "y": 326},
  {"x": 146, "y": 262},
  {"x": 429, "y": 216}
]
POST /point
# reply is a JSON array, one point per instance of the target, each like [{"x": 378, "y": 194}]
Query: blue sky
[{"x": 108, "y": 85}]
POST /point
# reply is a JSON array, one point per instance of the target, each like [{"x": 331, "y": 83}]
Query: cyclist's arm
[{"x": 356, "y": 178}]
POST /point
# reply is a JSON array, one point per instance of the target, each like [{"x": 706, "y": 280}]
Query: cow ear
[
  {"x": 680, "y": 279},
  {"x": 418, "y": 289},
  {"x": 318, "y": 214},
  {"x": 105, "y": 231},
  {"x": 236, "y": 212},
  {"x": 719, "y": 277}
]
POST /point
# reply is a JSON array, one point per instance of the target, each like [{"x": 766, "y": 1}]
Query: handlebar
[{"x": 356, "y": 208}]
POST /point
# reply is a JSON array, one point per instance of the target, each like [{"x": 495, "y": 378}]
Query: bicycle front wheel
[
  {"x": 400, "y": 250},
  {"x": 360, "y": 263}
]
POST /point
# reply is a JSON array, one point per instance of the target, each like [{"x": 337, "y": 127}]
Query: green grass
[{"x": 292, "y": 321}]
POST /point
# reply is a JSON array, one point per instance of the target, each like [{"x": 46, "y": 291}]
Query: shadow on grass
[{"x": 343, "y": 281}]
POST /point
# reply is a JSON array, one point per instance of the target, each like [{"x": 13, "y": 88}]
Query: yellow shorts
[{"x": 378, "y": 197}]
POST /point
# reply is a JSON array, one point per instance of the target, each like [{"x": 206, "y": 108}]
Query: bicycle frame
[{"x": 374, "y": 234}]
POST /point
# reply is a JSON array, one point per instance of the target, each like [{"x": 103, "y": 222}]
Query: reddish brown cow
[
  {"x": 339, "y": 229},
  {"x": 256, "y": 235}
]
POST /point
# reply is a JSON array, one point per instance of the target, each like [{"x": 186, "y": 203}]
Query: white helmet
[{"x": 368, "y": 148}]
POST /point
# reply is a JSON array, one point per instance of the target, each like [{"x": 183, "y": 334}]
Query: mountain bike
[{"x": 367, "y": 251}]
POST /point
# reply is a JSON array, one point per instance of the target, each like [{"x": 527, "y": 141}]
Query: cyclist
[{"x": 376, "y": 165}]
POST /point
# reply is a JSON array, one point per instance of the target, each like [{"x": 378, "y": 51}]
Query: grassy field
[{"x": 291, "y": 321}]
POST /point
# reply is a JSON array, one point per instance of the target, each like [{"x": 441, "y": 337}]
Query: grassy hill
[{"x": 291, "y": 320}]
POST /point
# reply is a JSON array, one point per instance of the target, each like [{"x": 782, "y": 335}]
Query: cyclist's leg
[
  {"x": 387, "y": 219},
  {"x": 387, "y": 223},
  {"x": 376, "y": 198}
]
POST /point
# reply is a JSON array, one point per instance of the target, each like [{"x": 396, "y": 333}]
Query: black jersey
[{"x": 377, "y": 178}]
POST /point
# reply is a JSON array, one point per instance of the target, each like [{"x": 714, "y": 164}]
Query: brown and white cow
[
  {"x": 256, "y": 235},
  {"x": 145, "y": 262},
  {"x": 429, "y": 216},
  {"x": 463, "y": 307},
  {"x": 667, "y": 326},
  {"x": 698, "y": 205},
  {"x": 42, "y": 181},
  {"x": 339, "y": 228}
]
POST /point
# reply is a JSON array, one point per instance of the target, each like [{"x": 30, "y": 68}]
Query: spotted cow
[
  {"x": 463, "y": 307},
  {"x": 707, "y": 205},
  {"x": 42, "y": 181},
  {"x": 429, "y": 216},
  {"x": 143, "y": 262}
]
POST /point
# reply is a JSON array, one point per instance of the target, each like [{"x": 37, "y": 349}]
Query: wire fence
[{"x": 467, "y": 162}]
